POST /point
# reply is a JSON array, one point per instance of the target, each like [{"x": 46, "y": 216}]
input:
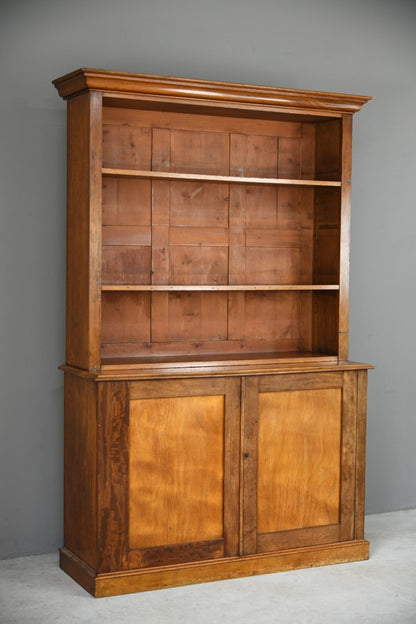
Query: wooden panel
[
  {"x": 272, "y": 265},
  {"x": 348, "y": 455},
  {"x": 360, "y": 454},
  {"x": 160, "y": 232},
  {"x": 80, "y": 469},
  {"x": 217, "y": 350},
  {"x": 345, "y": 237},
  {"x": 199, "y": 152},
  {"x": 176, "y": 450},
  {"x": 160, "y": 142},
  {"x": 328, "y": 150},
  {"x": 308, "y": 151},
  {"x": 198, "y": 237},
  {"x": 289, "y": 161},
  {"x": 271, "y": 316},
  {"x": 270, "y": 238},
  {"x": 126, "y": 146},
  {"x": 113, "y": 478},
  {"x": 126, "y": 235},
  {"x": 199, "y": 204},
  {"x": 298, "y": 459},
  {"x": 298, "y": 538},
  {"x": 262, "y": 156},
  {"x": 237, "y": 212},
  {"x": 126, "y": 201},
  {"x": 232, "y": 458},
  {"x": 197, "y": 316},
  {"x": 290, "y": 207},
  {"x": 303, "y": 381},
  {"x": 125, "y": 317},
  {"x": 126, "y": 264},
  {"x": 217, "y": 569},
  {"x": 204, "y": 322},
  {"x": 180, "y": 121},
  {"x": 249, "y": 465},
  {"x": 236, "y": 315},
  {"x": 176, "y": 553},
  {"x": 326, "y": 258},
  {"x": 326, "y": 262},
  {"x": 198, "y": 265},
  {"x": 325, "y": 322},
  {"x": 167, "y": 388},
  {"x": 261, "y": 206},
  {"x": 84, "y": 231}
]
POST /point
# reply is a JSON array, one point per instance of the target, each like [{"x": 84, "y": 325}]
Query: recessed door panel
[
  {"x": 176, "y": 470},
  {"x": 299, "y": 441}
]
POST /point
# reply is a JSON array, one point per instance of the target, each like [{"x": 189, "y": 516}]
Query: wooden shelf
[
  {"x": 168, "y": 175},
  {"x": 220, "y": 363},
  {"x": 216, "y": 288}
]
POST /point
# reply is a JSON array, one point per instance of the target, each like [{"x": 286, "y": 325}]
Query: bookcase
[{"x": 214, "y": 426}]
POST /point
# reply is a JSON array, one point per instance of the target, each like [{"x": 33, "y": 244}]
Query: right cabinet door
[{"x": 300, "y": 460}]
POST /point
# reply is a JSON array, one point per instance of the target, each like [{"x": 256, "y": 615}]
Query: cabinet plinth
[{"x": 214, "y": 426}]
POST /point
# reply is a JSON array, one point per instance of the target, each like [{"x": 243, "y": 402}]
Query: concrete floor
[{"x": 380, "y": 591}]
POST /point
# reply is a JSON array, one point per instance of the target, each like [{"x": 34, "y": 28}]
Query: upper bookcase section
[{"x": 121, "y": 87}]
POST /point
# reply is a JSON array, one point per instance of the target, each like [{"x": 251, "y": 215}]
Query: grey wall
[{"x": 353, "y": 46}]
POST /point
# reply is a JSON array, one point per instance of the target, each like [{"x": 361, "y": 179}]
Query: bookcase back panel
[
  {"x": 143, "y": 117},
  {"x": 125, "y": 317},
  {"x": 328, "y": 150},
  {"x": 197, "y": 152},
  {"x": 325, "y": 322},
  {"x": 196, "y": 233},
  {"x": 125, "y": 264},
  {"x": 210, "y": 234},
  {"x": 198, "y": 323},
  {"x": 127, "y": 146},
  {"x": 327, "y": 236},
  {"x": 127, "y": 202},
  {"x": 168, "y": 141},
  {"x": 196, "y": 204}
]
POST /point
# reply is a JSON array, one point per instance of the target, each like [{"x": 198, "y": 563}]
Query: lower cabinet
[{"x": 177, "y": 481}]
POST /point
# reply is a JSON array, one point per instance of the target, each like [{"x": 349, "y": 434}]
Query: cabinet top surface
[{"x": 161, "y": 88}]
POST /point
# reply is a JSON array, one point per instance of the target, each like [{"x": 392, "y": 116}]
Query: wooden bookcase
[{"x": 214, "y": 426}]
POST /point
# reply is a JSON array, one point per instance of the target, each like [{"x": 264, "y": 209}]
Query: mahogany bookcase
[{"x": 214, "y": 427}]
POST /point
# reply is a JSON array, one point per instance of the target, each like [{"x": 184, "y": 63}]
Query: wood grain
[
  {"x": 249, "y": 443},
  {"x": 176, "y": 470},
  {"x": 83, "y": 231},
  {"x": 360, "y": 454},
  {"x": 113, "y": 475},
  {"x": 298, "y": 459},
  {"x": 211, "y": 92},
  {"x": 206, "y": 177},
  {"x": 348, "y": 455},
  {"x": 80, "y": 469}
]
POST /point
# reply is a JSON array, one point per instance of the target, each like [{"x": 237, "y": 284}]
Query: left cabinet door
[{"x": 170, "y": 453}]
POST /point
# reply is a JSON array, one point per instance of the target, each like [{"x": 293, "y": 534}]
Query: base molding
[{"x": 129, "y": 581}]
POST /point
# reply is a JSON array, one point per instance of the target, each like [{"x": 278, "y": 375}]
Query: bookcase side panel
[{"x": 84, "y": 231}]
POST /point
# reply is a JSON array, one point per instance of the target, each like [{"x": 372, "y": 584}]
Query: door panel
[
  {"x": 183, "y": 470},
  {"x": 299, "y": 440},
  {"x": 298, "y": 458},
  {"x": 176, "y": 470}
]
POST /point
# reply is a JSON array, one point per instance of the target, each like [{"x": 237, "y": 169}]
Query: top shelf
[{"x": 168, "y": 175}]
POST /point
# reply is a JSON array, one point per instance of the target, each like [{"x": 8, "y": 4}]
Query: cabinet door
[
  {"x": 299, "y": 438},
  {"x": 175, "y": 473}
]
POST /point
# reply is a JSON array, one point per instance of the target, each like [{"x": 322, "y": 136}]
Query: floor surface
[{"x": 380, "y": 591}]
